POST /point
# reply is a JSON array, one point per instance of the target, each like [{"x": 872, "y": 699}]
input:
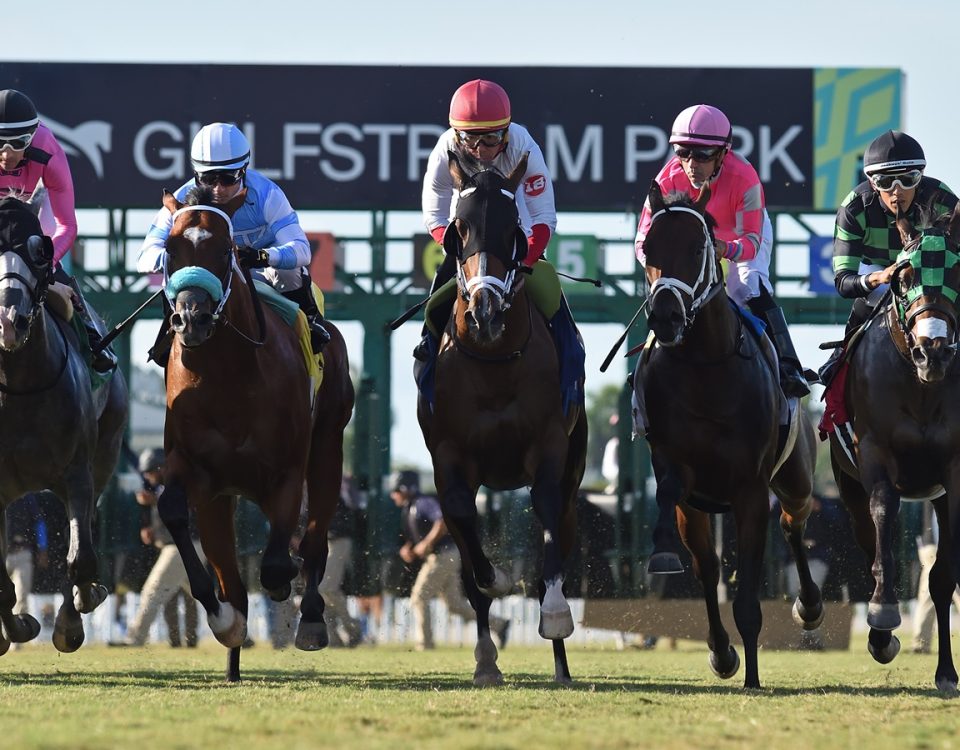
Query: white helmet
[{"x": 219, "y": 146}]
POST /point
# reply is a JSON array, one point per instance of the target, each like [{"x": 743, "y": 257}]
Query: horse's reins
[{"x": 227, "y": 280}]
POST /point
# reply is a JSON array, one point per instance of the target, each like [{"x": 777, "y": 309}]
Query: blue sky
[{"x": 635, "y": 33}]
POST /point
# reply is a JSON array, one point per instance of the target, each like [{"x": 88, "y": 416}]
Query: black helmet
[
  {"x": 407, "y": 480},
  {"x": 152, "y": 459},
  {"x": 18, "y": 116},
  {"x": 893, "y": 152}
]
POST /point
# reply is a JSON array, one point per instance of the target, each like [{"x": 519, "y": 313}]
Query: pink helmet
[
  {"x": 479, "y": 106},
  {"x": 703, "y": 125}
]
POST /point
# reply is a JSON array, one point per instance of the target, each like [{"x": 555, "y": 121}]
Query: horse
[
  {"x": 499, "y": 420},
  {"x": 711, "y": 401},
  {"x": 903, "y": 390},
  {"x": 239, "y": 421},
  {"x": 57, "y": 432}
]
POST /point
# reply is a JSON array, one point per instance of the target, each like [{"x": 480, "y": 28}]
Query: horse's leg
[
  {"x": 942, "y": 586},
  {"x": 664, "y": 559},
  {"x": 556, "y": 619},
  {"x": 697, "y": 536},
  {"x": 751, "y": 518},
  {"x": 283, "y": 512},
  {"x": 228, "y": 625},
  {"x": 216, "y": 526},
  {"x": 16, "y": 628},
  {"x": 808, "y": 608},
  {"x": 68, "y": 633},
  {"x": 883, "y": 612},
  {"x": 487, "y": 672},
  {"x": 81, "y": 556}
]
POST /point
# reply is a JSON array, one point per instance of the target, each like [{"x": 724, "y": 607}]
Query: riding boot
[
  {"x": 428, "y": 343},
  {"x": 319, "y": 335},
  {"x": 859, "y": 314},
  {"x": 792, "y": 381},
  {"x": 102, "y": 360}
]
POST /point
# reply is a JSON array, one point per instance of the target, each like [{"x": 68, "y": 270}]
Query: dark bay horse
[
  {"x": 712, "y": 407},
  {"x": 56, "y": 431},
  {"x": 499, "y": 420},
  {"x": 903, "y": 389},
  {"x": 242, "y": 420}
]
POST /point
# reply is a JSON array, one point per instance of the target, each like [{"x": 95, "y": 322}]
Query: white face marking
[
  {"x": 932, "y": 328},
  {"x": 197, "y": 235}
]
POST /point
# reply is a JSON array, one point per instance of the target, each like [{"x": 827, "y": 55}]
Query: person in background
[
  {"x": 26, "y": 546},
  {"x": 30, "y": 156},
  {"x": 342, "y": 628},
  {"x": 702, "y": 139},
  {"x": 427, "y": 539}
]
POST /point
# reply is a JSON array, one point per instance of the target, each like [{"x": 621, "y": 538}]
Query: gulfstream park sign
[{"x": 358, "y": 137}]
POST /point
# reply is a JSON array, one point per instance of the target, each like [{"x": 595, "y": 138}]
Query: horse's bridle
[
  {"x": 708, "y": 278},
  {"x": 906, "y": 316}
]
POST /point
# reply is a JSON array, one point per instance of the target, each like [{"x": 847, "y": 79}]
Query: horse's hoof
[
  {"x": 25, "y": 628},
  {"x": 4, "y": 645},
  {"x": 312, "y": 636},
  {"x": 562, "y": 679},
  {"x": 487, "y": 674},
  {"x": 487, "y": 678},
  {"x": 281, "y": 594},
  {"x": 888, "y": 653},
  {"x": 88, "y": 597},
  {"x": 947, "y": 686},
  {"x": 556, "y": 625},
  {"x": 883, "y": 616},
  {"x": 664, "y": 563},
  {"x": 229, "y": 626},
  {"x": 808, "y": 619},
  {"x": 725, "y": 673},
  {"x": 501, "y": 586},
  {"x": 67, "y": 632}
]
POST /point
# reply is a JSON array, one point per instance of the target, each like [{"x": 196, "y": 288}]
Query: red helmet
[{"x": 479, "y": 106}]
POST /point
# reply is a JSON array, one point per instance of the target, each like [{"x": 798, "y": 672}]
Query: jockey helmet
[
  {"x": 406, "y": 480},
  {"x": 152, "y": 459},
  {"x": 703, "y": 125},
  {"x": 479, "y": 106},
  {"x": 219, "y": 146},
  {"x": 893, "y": 152},
  {"x": 18, "y": 117}
]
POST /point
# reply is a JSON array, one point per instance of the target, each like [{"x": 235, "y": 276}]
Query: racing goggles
[
  {"x": 697, "y": 154},
  {"x": 887, "y": 182},
  {"x": 225, "y": 177},
  {"x": 472, "y": 140},
  {"x": 16, "y": 142}
]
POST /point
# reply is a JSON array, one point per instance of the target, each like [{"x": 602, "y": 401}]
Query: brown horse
[
  {"x": 239, "y": 422},
  {"x": 712, "y": 409},
  {"x": 499, "y": 420},
  {"x": 903, "y": 389}
]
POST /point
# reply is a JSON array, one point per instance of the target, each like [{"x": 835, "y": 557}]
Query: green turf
[{"x": 389, "y": 697}]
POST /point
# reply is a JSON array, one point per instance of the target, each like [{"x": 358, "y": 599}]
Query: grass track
[{"x": 394, "y": 698}]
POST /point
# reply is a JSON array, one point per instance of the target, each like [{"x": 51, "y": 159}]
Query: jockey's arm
[
  {"x": 59, "y": 184},
  {"x": 437, "y": 194},
  {"x": 849, "y": 250},
  {"x": 154, "y": 245},
  {"x": 743, "y": 239},
  {"x": 292, "y": 250},
  {"x": 536, "y": 192}
]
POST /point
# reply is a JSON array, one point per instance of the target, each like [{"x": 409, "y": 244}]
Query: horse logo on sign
[{"x": 92, "y": 139}]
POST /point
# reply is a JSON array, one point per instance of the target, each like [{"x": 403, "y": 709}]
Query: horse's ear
[
  {"x": 513, "y": 179},
  {"x": 452, "y": 244},
  {"x": 170, "y": 202},
  {"x": 655, "y": 197},
  {"x": 703, "y": 199},
  {"x": 905, "y": 227},
  {"x": 456, "y": 170},
  {"x": 953, "y": 227}
]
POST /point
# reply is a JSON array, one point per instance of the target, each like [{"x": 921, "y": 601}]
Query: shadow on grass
[{"x": 285, "y": 679}]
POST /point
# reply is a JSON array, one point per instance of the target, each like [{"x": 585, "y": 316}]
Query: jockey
[
  {"x": 482, "y": 133},
  {"x": 265, "y": 227},
  {"x": 702, "y": 139},
  {"x": 866, "y": 241},
  {"x": 30, "y": 154}
]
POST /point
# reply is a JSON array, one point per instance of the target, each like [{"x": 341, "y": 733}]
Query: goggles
[
  {"x": 697, "y": 154},
  {"x": 887, "y": 182},
  {"x": 472, "y": 140},
  {"x": 226, "y": 178},
  {"x": 16, "y": 142}
]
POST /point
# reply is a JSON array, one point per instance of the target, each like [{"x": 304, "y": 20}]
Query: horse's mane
[
  {"x": 199, "y": 195},
  {"x": 678, "y": 198}
]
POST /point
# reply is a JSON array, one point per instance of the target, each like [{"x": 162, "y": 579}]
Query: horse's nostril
[{"x": 176, "y": 321}]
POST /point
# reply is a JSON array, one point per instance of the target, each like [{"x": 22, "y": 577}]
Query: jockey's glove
[{"x": 251, "y": 257}]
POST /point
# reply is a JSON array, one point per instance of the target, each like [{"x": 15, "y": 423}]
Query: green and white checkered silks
[{"x": 931, "y": 258}]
